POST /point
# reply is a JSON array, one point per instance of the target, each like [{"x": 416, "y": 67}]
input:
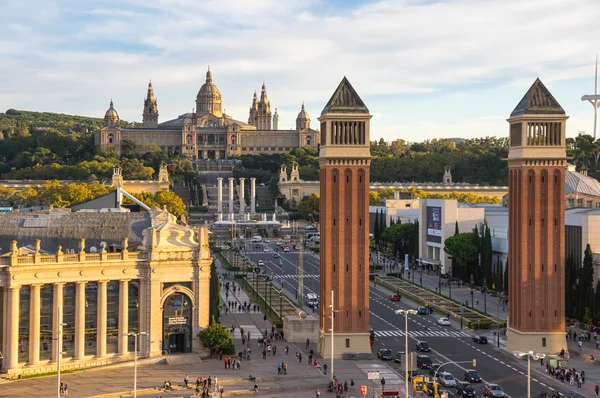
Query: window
[
  {"x": 571, "y": 202},
  {"x": 347, "y": 343},
  {"x": 580, "y": 202},
  {"x": 589, "y": 203},
  {"x": 359, "y": 313},
  {"x": 346, "y": 267},
  {"x": 543, "y": 342},
  {"x": 111, "y": 138},
  {"x": 308, "y": 141},
  {"x": 333, "y": 267}
]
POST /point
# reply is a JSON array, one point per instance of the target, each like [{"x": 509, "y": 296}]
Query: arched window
[
  {"x": 111, "y": 138},
  {"x": 308, "y": 140},
  {"x": 189, "y": 140}
]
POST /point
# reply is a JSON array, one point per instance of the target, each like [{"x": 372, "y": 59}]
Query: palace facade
[
  {"x": 208, "y": 132},
  {"x": 118, "y": 275}
]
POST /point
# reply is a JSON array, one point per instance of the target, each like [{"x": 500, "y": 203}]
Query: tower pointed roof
[
  {"x": 538, "y": 101},
  {"x": 345, "y": 100}
]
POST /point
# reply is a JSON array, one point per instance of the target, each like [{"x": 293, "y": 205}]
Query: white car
[
  {"x": 266, "y": 249},
  {"x": 261, "y": 263},
  {"x": 446, "y": 379},
  {"x": 444, "y": 321}
]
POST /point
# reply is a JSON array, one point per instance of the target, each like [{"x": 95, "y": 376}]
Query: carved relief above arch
[{"x": 177, "y": 289}]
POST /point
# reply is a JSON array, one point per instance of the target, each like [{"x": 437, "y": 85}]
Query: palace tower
[
  {"x": 150, "y": 115},
  {"x": 537, "y": 161},
  {"x": 344, "y": 160}
]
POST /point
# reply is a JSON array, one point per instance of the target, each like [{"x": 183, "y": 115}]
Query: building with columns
[
  {"x": 241, "y": 190},
  {"x": 153, "y": 281},
  {"x": 537, "y": 163},
  {"x": 208, "y": 132},
  {"x": 344, "y": 161}
]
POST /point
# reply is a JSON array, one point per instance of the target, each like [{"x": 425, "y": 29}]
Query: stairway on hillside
[
  {"x": 212, "y": 194},
  {"x": 183, "y": 191},
  {"x": 263, "y": 196}
]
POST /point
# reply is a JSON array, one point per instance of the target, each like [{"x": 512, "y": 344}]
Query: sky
[{"x": 425, "y": 68}]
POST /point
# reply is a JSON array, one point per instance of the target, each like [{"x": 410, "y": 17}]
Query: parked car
[
  {"x": 423, "y": 362},
  {"x": 480, "y": 339},
  {"x": 385, "y": 354},
  {"x": 422, "y": 346},
  {"x": 394, "y": 297},
  {"x": 493, "y": 390},
  {"x": 472, "y": 376},
  {"x": 464, "y": 389},
  {"x": 446, "y": 379},
  {"x": 444, "y": 321}
]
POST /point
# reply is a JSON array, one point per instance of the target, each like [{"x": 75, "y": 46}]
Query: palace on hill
[{"x": 208, "y": 132}]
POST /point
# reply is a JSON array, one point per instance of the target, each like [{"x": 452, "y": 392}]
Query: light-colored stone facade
[
  {"x": 160, "y": 291},
  {"x": 209, "y": 133}
]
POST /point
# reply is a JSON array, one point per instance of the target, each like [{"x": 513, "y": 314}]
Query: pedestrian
[
  {"x": 579, "y": 344},
  {"x": 352, "y": 384},
  {"x": 274, "y": 349},
  {"x": 324, "y": 368},
  {"x": 317, "y": 393},
  {"x": 255, "y": 387},
  {"x": 66, "y": 389},
  {"x": 284, "y": 368},
  {"x": 307, "y": 343},
  {"x": 220, "y": 355},
  {"x": 186, "y": 381},
  {"x": 597, "y": 390},
  {"x": 286, "y": 349},
  {"x": 221, "y": 390},
  {"x": 209, "y": 382},
  {"x": 264, "y": 353},
  {"x": 383, "y": 384},
  {"x": 279, "y": 368}
]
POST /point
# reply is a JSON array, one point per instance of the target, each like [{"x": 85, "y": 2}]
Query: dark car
[
  {"x": 413, "y": 373},
  {"x": 423, "y": 346},
  {"x": 435, "y": 368},
  {"x": 422, "y": 311},
  {"x": 385, "y": 354},
  {"x": 464, "y": 389},
  {"x": 398, "y": 357},
  {"x": 423, "y": 362},
  {"x": 472, "y": 376},
  {"x": 480, "y": 339}
]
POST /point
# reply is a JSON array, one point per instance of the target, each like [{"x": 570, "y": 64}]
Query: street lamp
[
  {"x": 333, "y": 311},
  {"x": 472, "y": 303},
  {"x": 58, "y": 338},
  {"x": 530, "y": 355},
  {"x": 135, "y": 355},
  {"x": 485, "y": 299},
  {"x": 405, "y": 313}
]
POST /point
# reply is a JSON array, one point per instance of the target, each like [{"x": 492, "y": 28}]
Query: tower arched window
[
  {"x": 308, "y": 140},
  {"x": 111, "y": 138}
]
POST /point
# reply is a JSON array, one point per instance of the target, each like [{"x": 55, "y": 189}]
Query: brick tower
[
  {"x": 344, "y": 161},
  {"x": 537, "y": 162}
]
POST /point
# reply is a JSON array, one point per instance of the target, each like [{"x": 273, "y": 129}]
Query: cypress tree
[
  {"x": 586, "y": 283},
  {"x": 456, "y": 228},
  {"x": 382, "y": 222}
]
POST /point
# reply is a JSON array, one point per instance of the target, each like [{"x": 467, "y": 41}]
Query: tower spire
[{"x": 594, "y": 99}]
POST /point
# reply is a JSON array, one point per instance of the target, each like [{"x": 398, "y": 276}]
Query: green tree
[
  {"x": 456, "y": 232},
  {"x": 586, "y": 281},
  {"x": 463, "y": 250},
  {"x": 215, "y": 336},
  {"x": 309, "y": 205},
  {"x": 215, "y": 288},
  {"x": 376, "y": 231}
]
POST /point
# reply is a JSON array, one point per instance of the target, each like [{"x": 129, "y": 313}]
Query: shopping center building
[{"x": 109, "y": 276}]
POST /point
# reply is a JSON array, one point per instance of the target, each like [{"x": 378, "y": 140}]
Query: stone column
[
  {"x": 79, "y": 321},
  {"x": 57, "y": 302},
  {"x": 220, "y": 195},
  {"x": 253, "y": 195},
  {"x": 12, "y": 338},
  {"x": 101, "y": 321},
  {"x": 242, "y": 195},
  {"x": 123, "y": 316},
  {"x": 230, "y": 194},
  {"x": 34, "y": 325}
]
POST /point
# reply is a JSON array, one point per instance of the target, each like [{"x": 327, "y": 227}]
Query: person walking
[
  {"x": 324, "y": 368},
  {"x": 317, "y": 393},
  {"x": 597, "y": 390},
  {"x": 383, "y": 384},
  {"x": 186, "y": 381}
]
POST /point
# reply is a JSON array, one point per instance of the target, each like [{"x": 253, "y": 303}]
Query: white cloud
[{"x": 71, "y": 56}]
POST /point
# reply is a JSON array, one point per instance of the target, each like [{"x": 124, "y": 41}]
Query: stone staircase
[
  {"x": 212, "y": 196},
  {"x": 263, "y": 196},
  {"x": 183, "y": 191}
]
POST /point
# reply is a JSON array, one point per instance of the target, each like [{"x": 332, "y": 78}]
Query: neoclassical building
[
  {"x": 208, "y": 132},
  {"x": 154, "y": 281}
]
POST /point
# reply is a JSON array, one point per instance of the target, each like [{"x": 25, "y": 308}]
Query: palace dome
[
  {"x": 209, "y": 97},
  {"x": 111, "y": 117}
]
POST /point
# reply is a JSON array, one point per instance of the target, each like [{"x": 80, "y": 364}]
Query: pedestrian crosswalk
[
  {"x": 422, "y": 333},
  {"x": 288, "y": 276},
  {"x": 271, "y": 253}
]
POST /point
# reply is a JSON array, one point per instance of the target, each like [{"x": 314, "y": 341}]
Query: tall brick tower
[
  {"x": 537, "y": 162},
  {"x": 344, "y": 161}
]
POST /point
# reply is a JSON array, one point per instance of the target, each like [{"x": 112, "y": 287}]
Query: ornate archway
[{"x": 177, "y": 304}]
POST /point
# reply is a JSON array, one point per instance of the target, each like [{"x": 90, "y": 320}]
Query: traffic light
[
  {"x": 363, "y": 390},
  {"x": 474, "y": 362}
]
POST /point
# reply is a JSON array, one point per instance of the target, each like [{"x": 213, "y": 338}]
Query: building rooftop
[
  {"x": 538, "y": 101},
  {"x": 577, "y": 182}
]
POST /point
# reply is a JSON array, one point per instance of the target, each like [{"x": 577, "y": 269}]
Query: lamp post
[
  {"x": 280, "y": 303},
  {"x": 405, "y": 313},
  {"x": 58, "y": 339},
  {"x": 530, "y": 355},
  {"x": 333, "y": 311},
  {"x": 135, "y": 355},
  {"x": 472, "y": 303},
  {"x": 485, "y": 299}
]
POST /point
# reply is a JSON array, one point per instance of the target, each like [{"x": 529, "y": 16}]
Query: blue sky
[{"x": 426, "y": 69}]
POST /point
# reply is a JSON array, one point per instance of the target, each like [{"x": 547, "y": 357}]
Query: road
[{"x": 448, "y": 343}]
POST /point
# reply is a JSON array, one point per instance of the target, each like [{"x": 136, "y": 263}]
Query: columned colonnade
[{"x": 242, "y": 195}]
